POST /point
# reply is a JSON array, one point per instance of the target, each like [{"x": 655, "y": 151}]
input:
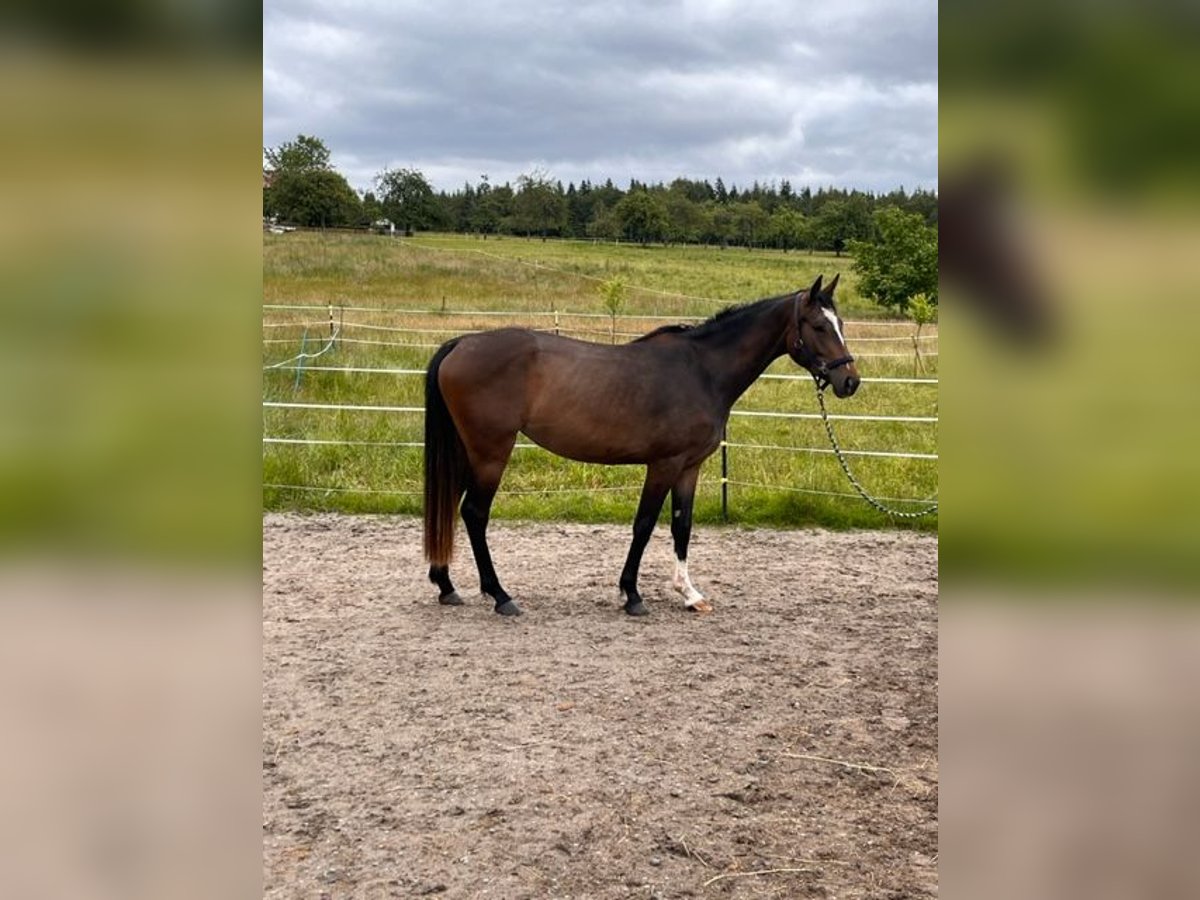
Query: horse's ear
[
  {"x": 832, "y": 285},
  {"x": 815, "y": 289}
]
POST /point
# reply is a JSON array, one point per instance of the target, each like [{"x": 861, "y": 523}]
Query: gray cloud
[{"x": 818, "y": 93}]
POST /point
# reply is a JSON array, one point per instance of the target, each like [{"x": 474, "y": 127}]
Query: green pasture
[{"x": 407, "y": 283}]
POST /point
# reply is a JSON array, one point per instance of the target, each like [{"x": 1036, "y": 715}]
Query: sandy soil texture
[{"x": 783, "y": 746}]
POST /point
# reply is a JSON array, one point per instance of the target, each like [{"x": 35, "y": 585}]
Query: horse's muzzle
[
  {"x": 841, "y": 376},
  {"x": 847, "y": 386}
]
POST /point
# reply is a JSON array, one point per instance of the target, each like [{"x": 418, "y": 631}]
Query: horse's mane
[
  {"x": 664, "y": 329},
  {"x": 714, "y": 322}
]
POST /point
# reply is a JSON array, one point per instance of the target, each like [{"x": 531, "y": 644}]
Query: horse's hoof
[
  {"x": 637, "y": 609},
  {"x": 508, "y": 608},
  {"x": 701, "y": 607},
  {"x": 450, "y": 599}
]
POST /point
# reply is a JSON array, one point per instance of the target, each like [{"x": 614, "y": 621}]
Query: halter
[
  {"x": 802, "y": 357},
  {"x": 821, "y": 376}
]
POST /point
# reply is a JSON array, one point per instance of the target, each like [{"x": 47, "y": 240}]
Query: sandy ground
[{"x": 783, "y": 746}]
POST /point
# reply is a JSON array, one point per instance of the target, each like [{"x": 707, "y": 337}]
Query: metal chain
[{"x": 887, "y": 510}]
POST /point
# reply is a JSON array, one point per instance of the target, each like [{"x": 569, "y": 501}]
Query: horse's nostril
[{"x": 851, "y": 385}]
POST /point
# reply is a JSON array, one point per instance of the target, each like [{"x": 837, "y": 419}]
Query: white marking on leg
[
  {"x": 833, "y": 319},
  {"x": 683, "y": 584}
]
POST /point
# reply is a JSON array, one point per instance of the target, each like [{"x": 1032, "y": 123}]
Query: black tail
[{"x": 445, "y": 466}]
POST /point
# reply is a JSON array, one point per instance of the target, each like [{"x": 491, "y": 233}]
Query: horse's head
[{"x": 816, "y": 341}]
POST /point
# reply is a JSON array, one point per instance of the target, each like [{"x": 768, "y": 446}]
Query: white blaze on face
[
  {"x": 833, "y": 320},
  {"x": 684, "y": 585}
]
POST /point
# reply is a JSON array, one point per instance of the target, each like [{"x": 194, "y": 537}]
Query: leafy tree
[
  {"x": 642, "y": 216},
  {"x": 723, "y": 224},
  {"x": 491, "y": 206},
  {"x": 788, "y": 229},
  {"x": 304, "y": 154},
  {"x": 605, "y": 224},
  {"x": 749, "y": 221},
  {"x": 901, "y": 263},
  {"x": 922, "y": 311},
  {"x": 406, "y": 198},
  {"x": 539, "y": 206},
  {"x": 304, "y": 189},
  {"x": 321, "y": 198},
  {"x": 687, "y": 221},
  {"x": 841, "y": 221},
  {"x": 613, "y": 294}
]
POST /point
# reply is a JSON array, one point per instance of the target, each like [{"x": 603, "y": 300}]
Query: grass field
[{"x": 397, "y": 299}]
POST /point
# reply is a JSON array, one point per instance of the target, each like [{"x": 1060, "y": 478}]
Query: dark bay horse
[{"x": 661, "y": 401}]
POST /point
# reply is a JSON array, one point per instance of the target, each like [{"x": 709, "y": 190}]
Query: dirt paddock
[{"x": 783, "y": 746}]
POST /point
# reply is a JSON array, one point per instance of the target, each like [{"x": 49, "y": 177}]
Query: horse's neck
[{"x": 736, "y": 355}]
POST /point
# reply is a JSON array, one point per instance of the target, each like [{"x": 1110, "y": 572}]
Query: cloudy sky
[{"x": 835, "y": 92}]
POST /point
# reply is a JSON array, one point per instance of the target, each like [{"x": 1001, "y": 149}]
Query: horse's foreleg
[
  {"x": 683, "y": 495},
  {"x": 654, "y": 492},
  {"x": 476, "y": 510}
]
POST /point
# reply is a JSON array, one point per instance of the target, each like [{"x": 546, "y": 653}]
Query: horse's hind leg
[
  {"x": 447, "y": 595},
  {"x": 476, "y": 510}
]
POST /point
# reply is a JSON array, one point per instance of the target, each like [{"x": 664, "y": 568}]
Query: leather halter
[{"x": 819, "y": 369}]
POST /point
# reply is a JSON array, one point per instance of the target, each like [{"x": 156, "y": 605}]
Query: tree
[
  {"x": 484, "y": 215},
  {"x": 317, "y": 199},
  {"x": 749, "y": 221},
  {"x": 901, "y": 263},
  {"x": 304, "y": 154},
  {"x": 539, "y": 206},
  {"x": 604, "y": 224},
  {"x": 406, "y": 198},
  {"x": 642, "y": 216},
  {"x": 723, "y": 225},
  {"x": 922, "y": 311},
  {"x": 305, "y": 190},
  {"x": 613, "y": 294},
  {"x": 840, "y": 221},
  {"x": 788, "y": 229},
  {"x": 686, "y": 219}
]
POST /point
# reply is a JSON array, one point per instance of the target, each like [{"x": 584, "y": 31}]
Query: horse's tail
[{"x": 445, "y": 466}]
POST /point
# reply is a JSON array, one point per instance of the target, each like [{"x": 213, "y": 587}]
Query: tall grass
[{"x": 416, "y": 284}]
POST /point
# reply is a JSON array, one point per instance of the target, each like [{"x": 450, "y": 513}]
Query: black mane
[
  {"x": 663, "y": 329},
  {"x": 715, "y": 322}
]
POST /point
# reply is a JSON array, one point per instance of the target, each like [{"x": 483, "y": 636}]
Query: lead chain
[{"x": 887, "y": 510}]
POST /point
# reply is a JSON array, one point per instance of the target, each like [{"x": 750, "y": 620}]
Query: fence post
[{"x": 725, "y": 473}]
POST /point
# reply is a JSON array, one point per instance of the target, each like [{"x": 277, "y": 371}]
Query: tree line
[{"x": 301, "y": 187}]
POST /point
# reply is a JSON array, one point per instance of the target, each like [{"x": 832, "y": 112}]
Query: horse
[{"x": 661, "y": 400}]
